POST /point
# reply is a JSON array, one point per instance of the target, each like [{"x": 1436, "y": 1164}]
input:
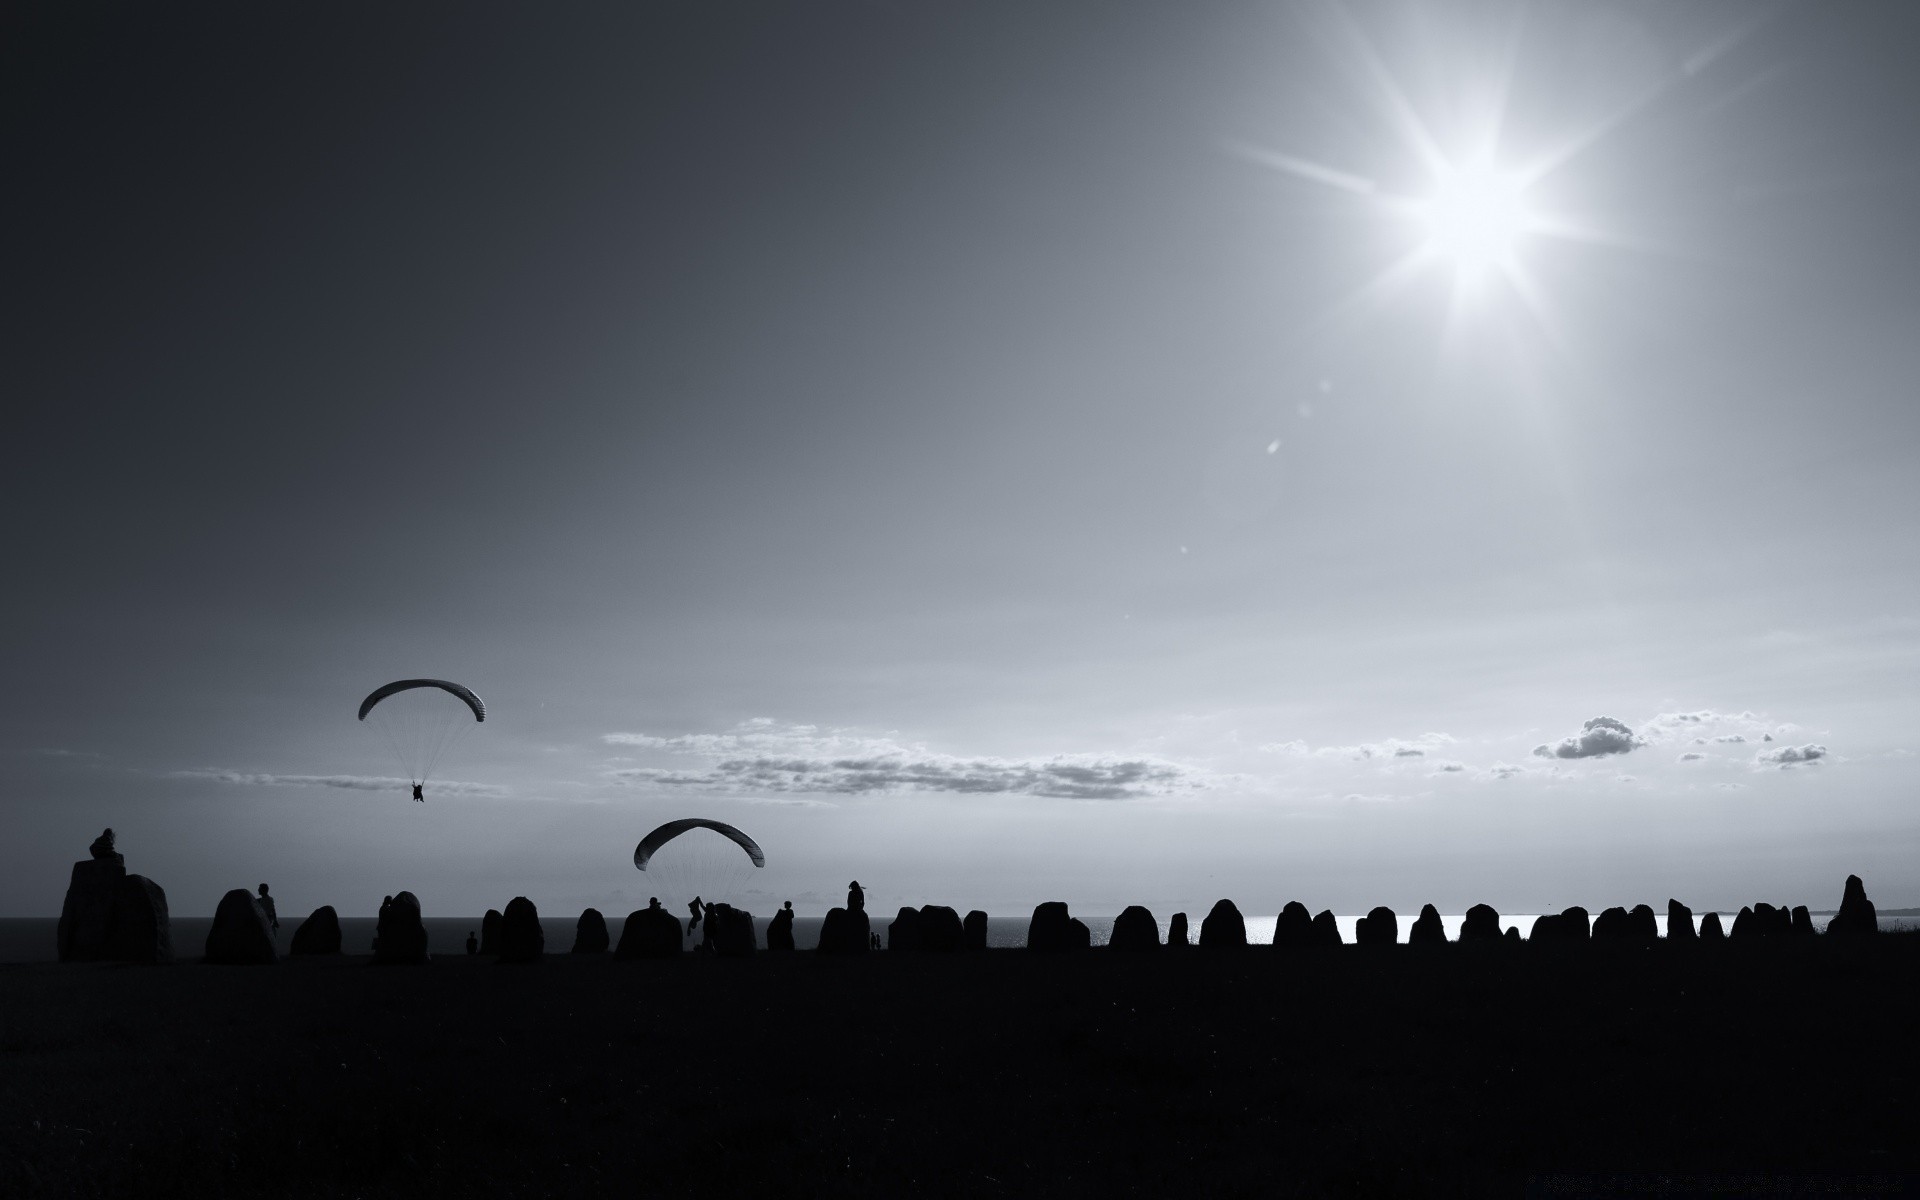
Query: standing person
[
  {"x": 473, "y": 943},
  {"x": 693, "y": 906},
  {"x": 856, "y": 898},
  {"x": 273, "y": 915}
]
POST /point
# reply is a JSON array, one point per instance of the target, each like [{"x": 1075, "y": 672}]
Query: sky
[{"x": 1120, "y": 453}]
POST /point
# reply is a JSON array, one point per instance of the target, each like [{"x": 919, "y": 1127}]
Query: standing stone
[
  {"x": 1513, "y": 935},
  {"x": 1177, "y": 930},
  {"x": 400, "y": 939},
  {"x": 1747, "y": 926},
  {"x": 521, "y": 938},
  {"x": 490, "y": 932},
  {"x": 1326, "y": 929},
  {"x": 1482, "y": 924},
  {"x": 903, "y": 932},
  {"x": 240, "y": 932},
  {"x": 1294, "y": 926},
  {"x": 649, "y": 933},
  {"x": 1224, "y": 927},
  {"x": 1427, "y": 928},
  {"x": 1679, "y": 922},
  {"x": 845, "y": 931},
  {"x": 1134, "y": 929},
  {"x": 1710, "y": 930},
  {"x": 1546, "y": 928},
  {"x": 940, "y": 930},
  {"x": 1611, "y": 925},
  {"x": 1050, "y": 929},
  {"x": 1575, "y": 925},
  {"x": 318, "y": 934},
  {"x": 1857, "y": 916},
  {"x": 142, "y": 932},
  {"x": 86, "y": 916},
  {"x": 780, "y": 930},
  {"x": 1380, "y": 927},
  {"x": 975, "y": 928},
  {"x": 590, "y": 933},
  {"x": 1643, "y": 925},
  {"x": 1802, "y": 921},
  {"x": 733, "y": 935}
]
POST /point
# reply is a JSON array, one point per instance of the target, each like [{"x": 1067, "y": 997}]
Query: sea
[{"x": 34, "y": 939}]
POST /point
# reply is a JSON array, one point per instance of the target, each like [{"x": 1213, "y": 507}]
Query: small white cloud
[
  {"x": 1599, "y": 737},
  {"x": 1731, "y": 737},
  {"x": 1690, "y": 756},
  {"x": 1788, "y": 756},
  {"x": 1449, "y": 768}
]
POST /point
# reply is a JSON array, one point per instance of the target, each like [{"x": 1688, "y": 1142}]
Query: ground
[{"x": 1356, "y": 1072}]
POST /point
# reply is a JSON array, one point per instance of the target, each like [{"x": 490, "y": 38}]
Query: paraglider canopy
[
  {"x": 406, "y": 685},
  {"x": 644, "y": 852},
  {"x": 421, "y": 723}
]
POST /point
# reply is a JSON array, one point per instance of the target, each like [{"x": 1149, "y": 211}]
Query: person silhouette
[
  {"x": 103, "y": 845},
  {"x": 653, "y": 902},
  {"x": 856, "y": 898},
  {"x": 273, "y": 914},
  {"x": 416, "y": 793},
  {"x": 873, "y": 941},
  {"x": 706, "y": 936},
  {"x": 473, "y": 943},
  {"x": 693, "y": 906}
]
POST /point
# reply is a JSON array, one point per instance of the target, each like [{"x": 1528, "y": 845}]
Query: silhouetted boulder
[
  {"x": 1380, "y": 927},
  {"x": 649, "y": 933},
  {"x": 1761, "y": 922},
  {"x": 1546, "y": 928},
  {"x": 1050, "y": 929},
  {"x": 733, "y": 934},
  {"x": 1079, "y": 937},
  {"x": 86, "y": 916},
  {"x": 1857, "y": 916},
  {"x": 1223, "y": 927},
  {"x": 590, "y": 933},
  {"x": 141, "y": 931},
  {"x": 845, "y": 932},
  {"x": 1177, "y": 930},
  {"x": 400, "y": 939},
  {"x": 1482, "y": 924},
  {"x": 1134, "y": 929},
  {"x": 1427, "y": 928},
  {"x": 975, "y": 928},
  {"x": 1618, "y": 926},
  {"x": 1642, "y": 924},
  {"x": 1680, "y": 922},
  {"x": 490, "y": 932},
  {"x": 521, "y": 938},
  {"x": 240, "y": 932},
  {"x": 1575, "y": 925},
  {"x": 1326, "y": 929},
  {"x": 780, "y": 931},
  {"x": 940, "y": 930},
  {"x": 1778, "y": 922},
  {"x": 1513, "y": 935},
  {"x": 1710, "y": 928},
  {"x": 1802, "y": 921},
  {"x": 903, "y": 932},
  {"x": 1294, "y": 926},
  {"x": 318, "y": 934}
]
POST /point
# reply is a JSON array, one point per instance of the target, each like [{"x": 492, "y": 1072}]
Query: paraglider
[
  {"x": 421, "y": 723},
  {"x": 698, "y": 861}
]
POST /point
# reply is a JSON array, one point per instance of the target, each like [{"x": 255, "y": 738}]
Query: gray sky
[{"x": 998, "y": 452}]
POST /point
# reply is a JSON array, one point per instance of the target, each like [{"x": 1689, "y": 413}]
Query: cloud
[
  {"x": 1449, "y": 768},
  {"x": 1690, "y": 756},
  {"x": 1599, "y": 737},
  {"x": 786, "y": 759},
  {"x": 351, "y": 783},
  {"x": 1388, "y": 748},
  {"x": 1788, "y": 756},
  {"x": 1505, "y": 770},
  {"x": 1067, "y": 778},
  {"x": 1730, "y": 737}
]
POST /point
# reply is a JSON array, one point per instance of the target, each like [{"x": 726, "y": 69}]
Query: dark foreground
[{"x": 1253, "y": 1073}]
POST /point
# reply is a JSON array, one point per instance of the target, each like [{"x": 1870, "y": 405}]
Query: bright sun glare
[{"x": 1475, "y": 219}]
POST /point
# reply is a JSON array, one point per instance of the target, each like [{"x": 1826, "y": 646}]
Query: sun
[{"x": 1475, "y": 219}]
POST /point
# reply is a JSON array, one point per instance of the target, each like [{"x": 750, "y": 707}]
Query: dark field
[{"x": 1254, "y": 1073}]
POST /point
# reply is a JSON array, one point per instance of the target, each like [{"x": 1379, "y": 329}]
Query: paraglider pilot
[{"x": 417, "y": 795}]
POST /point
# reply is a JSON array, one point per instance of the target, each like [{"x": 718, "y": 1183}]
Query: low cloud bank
[
  {"x": 809, "y": 759},
  {"x": 351, "y": 783}
]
